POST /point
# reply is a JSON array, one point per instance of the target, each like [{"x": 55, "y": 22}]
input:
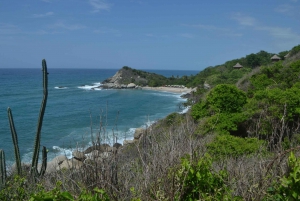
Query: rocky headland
[{"x": 126, "y": 78}]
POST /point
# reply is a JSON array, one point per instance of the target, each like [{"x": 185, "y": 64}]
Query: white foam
[
  {"x": 185, "y": 110},
  {"x": 86, "y": 87},
  {"x": 95, "y": 86},
  {"x": 60, "y": 87},
  {"x": 62, "y": 151}
]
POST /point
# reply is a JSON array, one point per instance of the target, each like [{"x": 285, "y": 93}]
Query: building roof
[
  {"x": 287, "y": 55},
  {"x": 275, "y": 57},
  {"x": 237, "y": 65}
]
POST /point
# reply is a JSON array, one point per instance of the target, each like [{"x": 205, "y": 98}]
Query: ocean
[{"x": 74, "y": 111}]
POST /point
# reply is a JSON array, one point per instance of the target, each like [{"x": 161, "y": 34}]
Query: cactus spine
[
  {"x": 15, "y": 141},
  {"x": 2, "y": 169},
  {"x": 36, "y": 149}
]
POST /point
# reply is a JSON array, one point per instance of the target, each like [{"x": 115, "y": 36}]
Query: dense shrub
[
  {"x": 199, "y": 182},
  {"x": 226, "y": 98},
  {"x": 289, "y": 186},
  {"x": 227, "y": 145}
]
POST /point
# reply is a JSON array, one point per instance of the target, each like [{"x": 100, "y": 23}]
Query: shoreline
[{"x": 184, "y": 90}]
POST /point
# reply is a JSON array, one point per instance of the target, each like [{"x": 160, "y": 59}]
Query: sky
[{"x": 143, "y": 34}]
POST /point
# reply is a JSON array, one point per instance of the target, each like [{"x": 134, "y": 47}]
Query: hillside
[{"x": 239, "y": 141}]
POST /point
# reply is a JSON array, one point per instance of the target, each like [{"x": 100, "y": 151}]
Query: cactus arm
[
  {"x": 44, "y": 162},
  {"x": 2, "y": 169},
  {"x": 40, "y": 119},
  {"x": 15, "y": 140}
]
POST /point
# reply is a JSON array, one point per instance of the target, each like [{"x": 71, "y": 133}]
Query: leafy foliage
[
  {"x": 57, "y": 195},
  {"x": 226, "y": 98},
  {"x": 17, "y": 188},
  {"x": 200, "y": 182},
  {"x": 295, "y": 50},
  {"x": 227, "y": 145},
  {"x": 289, "y": 187},
  {"x": 223, "y": 98}
]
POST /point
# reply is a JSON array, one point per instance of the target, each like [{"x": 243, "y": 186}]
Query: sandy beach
[{"x": 169, "y": 89}]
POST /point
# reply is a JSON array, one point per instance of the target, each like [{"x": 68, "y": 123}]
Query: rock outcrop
[{"x": 123, "y": 79}]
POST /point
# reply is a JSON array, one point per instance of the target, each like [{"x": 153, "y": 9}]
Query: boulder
[
  {"x": 78, "y": 155},
  {"x": 131, "y": 85},
  {"x": 117, "y": 145},
  {"x": 25, "y": 167},
  {"x": 94, "y": 154},
  {"x": 108, "y": 85},
  {"x": 90, "y": 162},
  {"x": 206, "y": 85},
  {"x": 105, "y": 155},
  {"x": 100, "y": 148},
  {"x": 112, "y": 149},
  {"x": 138, "y": 133},
  {"x": 59, "y": 159},
  {"x": 70, "y": 164},
  {"x": 52, "y": 165},
  {"x": 125, "y": 142}
]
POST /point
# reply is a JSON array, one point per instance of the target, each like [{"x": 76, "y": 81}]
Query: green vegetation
[
  {"x": 288, "y": 187},
  {"x": 143, "y": 78},
  {"x": 230, "y": 146},
  {"x": 239, "y": 141},
  {"x": 199, "y": 182}
]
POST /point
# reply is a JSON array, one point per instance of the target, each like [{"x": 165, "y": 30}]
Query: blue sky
[{"x": 143, "y": 34}]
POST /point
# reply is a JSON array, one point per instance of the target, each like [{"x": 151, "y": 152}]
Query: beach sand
[{"x": 169, "y": 89}]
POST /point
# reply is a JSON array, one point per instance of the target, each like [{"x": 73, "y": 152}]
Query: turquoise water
[{"x": 74, "y": 111}]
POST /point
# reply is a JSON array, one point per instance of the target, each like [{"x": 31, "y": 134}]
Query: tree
[
  {"x": 226, "y": 98},
  {"x": 253, "y": 60}
]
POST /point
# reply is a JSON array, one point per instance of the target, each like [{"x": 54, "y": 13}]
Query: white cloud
[
  {"x": 43, "y": 15},
  {"x": 63, "y": 25},
  {"x": 99, "y": 5},
  {"x": 244, "y": 20}
]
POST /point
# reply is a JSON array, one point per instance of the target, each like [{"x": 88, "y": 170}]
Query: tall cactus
[
  {"x": 15, "y": 141},
  {"x": 36, "y": 148},
  {"x": 37, "y": 141},
  {"x": 2, "y": 169}
]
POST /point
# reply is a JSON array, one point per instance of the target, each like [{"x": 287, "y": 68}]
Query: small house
[
  {"x": 275, "y": 58},
  {"x": 237, "y": 66}
]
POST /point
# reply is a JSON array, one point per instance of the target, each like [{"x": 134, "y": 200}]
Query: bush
[
  {"x": 227, "y": 145},
  {"x": 226, "y": 98},
  {"x": 200, "y": 182},
  {"x": 57, "y": 195},
  {"x": 295, "y": 50},
  {"x": 289, "y": 187}
]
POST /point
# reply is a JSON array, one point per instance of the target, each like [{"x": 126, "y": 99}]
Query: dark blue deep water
[{"x": 74, "y": 110}]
